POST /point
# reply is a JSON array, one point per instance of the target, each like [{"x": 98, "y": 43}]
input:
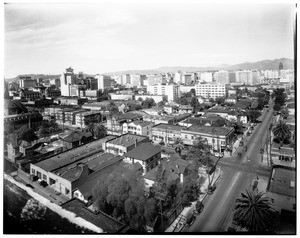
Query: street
[{"x": 237, "y": 175}]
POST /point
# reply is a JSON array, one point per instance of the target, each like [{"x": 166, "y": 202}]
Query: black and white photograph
[{"x": 149, "y": 118}]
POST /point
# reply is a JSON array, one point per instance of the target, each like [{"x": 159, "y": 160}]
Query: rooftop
[
  {"x": 143, "y": 151},
  {"x": 218, "y": 131},
  {"x": 142, "y": 123},
  {"x": 283, "y": 182},
  {"x": 70, "y": 156},
  {"x": 169, "y": 127},
  {"x": 127, "y": 140}
]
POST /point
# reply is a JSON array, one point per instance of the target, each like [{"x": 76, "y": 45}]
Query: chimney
[{"x": 135, "y": 143}]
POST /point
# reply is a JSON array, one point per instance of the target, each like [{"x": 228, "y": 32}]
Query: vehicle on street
[
  {"x": 199, "y": 207},
  {"x": 241, "y": 143},
  {"x": 190, "y": 219}
]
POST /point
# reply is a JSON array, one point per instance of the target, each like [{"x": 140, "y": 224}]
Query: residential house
[
  {"x": 115, "y": 122},
  {"x": 143, "y": 128},
  {"x": 146, "y": 154},
  {"x": 13, "y": 151},
  {"x": 174, "y": 170},
  {"x": 186, "y": 109},
  {"x": 123, "y": 144},
  {"x": 282, "y": 190},
  {"x": 76, "y": 138}
]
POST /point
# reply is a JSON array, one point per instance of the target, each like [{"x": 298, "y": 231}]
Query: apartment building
[
  {"x": 221, "y": 77},
  {"x": 104, "y": 81},
  {"x": 172, "y": 91},
  {"x": 166, "y": 133},
  {"x": 143, "y": 128},
  {"x": 210, "y": 90}
]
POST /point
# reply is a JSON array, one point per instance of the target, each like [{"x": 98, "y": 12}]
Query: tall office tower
[
  {"x": 66, "y": 80},
  {"x": 27, "y": 82},
  {"x": 104, "y": 81},
  {"x": 231, "y": 77},
  {"x": 244, "y": 76},
  {"x": 255, "y": 77},
  {"x": 172, "y": 91},
  {"x": 177, "y": 77},
  {"x": 206, "y": 76},
  {"x": 222, "y": 77}
]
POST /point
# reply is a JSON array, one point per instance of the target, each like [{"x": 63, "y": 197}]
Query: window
[
  {"x": 39, "y": 174},
  {"x": 44, "y": 177},
  {"x": 294, "y": 206},
  {"x": 67, "y": 191},
  {"x": 33, "y": 171},
  {"x": 185, "y": 136}
]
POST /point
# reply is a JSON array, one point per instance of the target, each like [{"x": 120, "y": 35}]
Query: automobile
[
  {"x": 190, "y": 219},
  {"x": 241, "y": 143},
  {"x": 199, "y": 207},
  {"x": 43, "y": 183},
  {"x": 217, "y": 154}
]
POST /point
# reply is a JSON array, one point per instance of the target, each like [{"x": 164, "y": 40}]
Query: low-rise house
[
  {"x": 115, "y": 122},
  {"x": 205, "y": 120},
  {"x": 13, "y": 150},
  {"x": 231, "y": 99},
  {"x": 291, "y": 108},
  {"x": 146, "y": 154},
  {"x": 186, "y": 109},
  {"x": 220, "y": 138},
  {"x": 159, "y": 119},
  {"x": 283, "y": 156},
  {"x": 174, "y": 170},
  {"x": 243, "y": 104},
  {"x": 282, "y": 190},
  {"x": 223, "y": 112},
  {"x": 123, "y": 144},
  {"x": 76, "y": 138},
  {"x": 143, "y": 128},
  {"x": 166, "y": 133}
]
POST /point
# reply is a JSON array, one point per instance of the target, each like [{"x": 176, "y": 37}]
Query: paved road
[{"x": 236, "y": 177}]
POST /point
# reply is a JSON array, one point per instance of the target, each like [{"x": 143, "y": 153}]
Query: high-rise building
[
  {"x": 206, "y": 77},
  {"x": 103, "y": 81},
  {"x": 170, "y": 90},
  {"x": 232, "y": 77},
  {"x": 188, "y": 78},
  {"x": 244, "y": 76},
  {"x": 210, "y": 90},
  {"x": 27, "y": 82},
  {"x": 221, "y": 77},
  {"x": 177, "y": 77},
  {"x": 255, "y": 77}
]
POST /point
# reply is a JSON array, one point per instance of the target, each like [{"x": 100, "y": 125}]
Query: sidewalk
[{"x": 180, "y": 222}]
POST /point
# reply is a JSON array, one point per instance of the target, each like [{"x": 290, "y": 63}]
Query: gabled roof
[
  {"x": 24, "y": 144},
  {"x": 143, "y": 151}
]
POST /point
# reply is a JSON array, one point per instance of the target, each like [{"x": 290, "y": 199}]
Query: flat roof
[
  {"x": 142, "y": 123},
  {"x": 221, "y": 131},
  {"x": 168, "y": 127},
  {"x": 143, "y": 151},
  {"x": 283, "y": 182},
  {"x": 71, "y": 156},
  {"x": 127, "y": 140}
]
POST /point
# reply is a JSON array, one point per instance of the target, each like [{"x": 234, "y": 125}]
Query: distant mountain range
[{"x": 260, "y": 65}]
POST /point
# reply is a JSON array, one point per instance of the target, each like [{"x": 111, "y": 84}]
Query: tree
[
  {"x": 282, "y": 132},
  {"x": 151, "y": 210},
  {"x": 148, "y": 103},
  {"x": 277, "y": 107},
  {"x": 24, "y": 133},
  {"x": 99, "y": 131},
  {"x": 178, "y": 146},
  {"x": 220, "y": 100},
  {"x": 200, "y": 153},
  {"x": 254, "y": 212},
  {"x": 284, "y": 112},
  {"x": 254, "y": 115},
  {"x": 100, "y": 193}
]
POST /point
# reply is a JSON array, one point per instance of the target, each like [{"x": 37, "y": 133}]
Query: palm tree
[
  {"x": 254, "y": 212},
  {"x": 281, "y": 131},
  {"x": 178, "y": 146}
]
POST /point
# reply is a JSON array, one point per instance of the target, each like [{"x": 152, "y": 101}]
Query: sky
[{"x": 105, "y": 37}]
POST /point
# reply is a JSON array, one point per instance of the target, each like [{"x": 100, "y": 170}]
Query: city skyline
[{"x": 99, "y": 38}]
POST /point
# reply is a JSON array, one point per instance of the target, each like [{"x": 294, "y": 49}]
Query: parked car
[
  {"x": 199, "y": 207},
  {"x": 241, "y": 143},
  {"x": 190, "y": 219},
  {"x": 43, "y": 183}
]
